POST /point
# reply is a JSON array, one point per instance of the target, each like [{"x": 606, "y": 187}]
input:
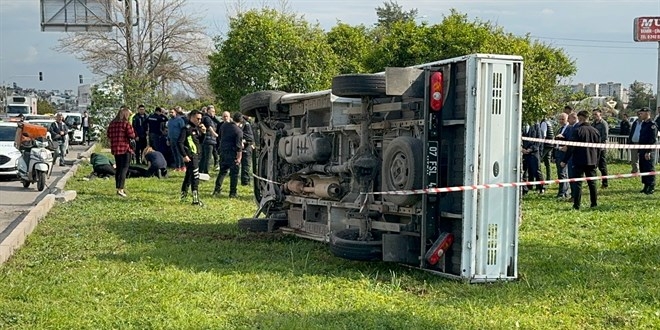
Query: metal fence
[{"x": 624, "y": 154}]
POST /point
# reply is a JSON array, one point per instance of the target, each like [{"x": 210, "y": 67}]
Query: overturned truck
[{"x": 359, "y": 166}]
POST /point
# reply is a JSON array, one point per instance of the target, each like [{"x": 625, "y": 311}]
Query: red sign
[{"x": 646, "y": 29}]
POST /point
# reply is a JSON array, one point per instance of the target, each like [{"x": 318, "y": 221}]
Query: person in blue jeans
[{"x": 174, "y": 126}]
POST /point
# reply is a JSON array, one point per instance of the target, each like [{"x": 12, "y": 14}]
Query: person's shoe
[
  {"x": 650, "y": 190},
  {"x": 233, "y": 196},
  {"x": 217, "y": 192},
  {"x": 121, "y": 193},
  {"x": 604, "y": 186},
  {"x": 643, "y": 191},
  {"x": 184, "y": 195},
  {"x": 576, "y": 207},
  {"x": 195, "y": 198},
  {"x": 594, "y": 205}
]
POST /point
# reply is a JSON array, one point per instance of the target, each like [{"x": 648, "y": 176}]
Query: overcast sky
[{"x": 596, "y": 33}]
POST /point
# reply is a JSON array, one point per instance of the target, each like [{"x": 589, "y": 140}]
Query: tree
[
  {"x": 351, "y": 45},
  {"x": 392, "y": 13},
  {"x": 406, "y": 43},
  {"x": 641, "y": 96},
  {"x": 44, "y": 107},
  {"x": 266, "y": 49},
  {"x": 167, "y": 48}
]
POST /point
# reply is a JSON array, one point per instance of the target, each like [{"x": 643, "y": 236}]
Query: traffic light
[
  {"x": 80, "y": 78},
  {"x": 41, "y": 76}
]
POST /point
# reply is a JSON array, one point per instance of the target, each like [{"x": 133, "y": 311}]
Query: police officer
[
  {"x": 141, "y": 128},
  {"x": 189, "y": 147},
  {"x": 248, "y": 141},
  {"x": 231, "y": 148},
  {"x": 647, "y": 135}
]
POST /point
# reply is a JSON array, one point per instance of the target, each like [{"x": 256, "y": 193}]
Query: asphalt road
[{"x": 16, "y": 201}]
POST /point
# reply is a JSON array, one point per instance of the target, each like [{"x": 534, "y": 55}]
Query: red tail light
[
  {"x": 439, "y": 248},
  {"x": 436, "y": 91}
]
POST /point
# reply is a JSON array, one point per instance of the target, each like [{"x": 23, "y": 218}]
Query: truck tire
[
  {"x": 358, "y": 85},
  {"x": 257, "y": 225},
  {"x": 345, "y": 244},
  {"x": 402, "y": 169},
  {"x": 249, "y": 104}
]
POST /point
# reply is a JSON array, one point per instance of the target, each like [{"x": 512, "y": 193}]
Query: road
[{"x": 16, "y": 201}]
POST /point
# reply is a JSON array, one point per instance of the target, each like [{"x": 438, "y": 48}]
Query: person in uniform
[
  {"x": 584, "y": 159},
  {"x": 189, "y": 147},
  {"x": 231, "y": 147},
  {"x": 647, "y": 135}
]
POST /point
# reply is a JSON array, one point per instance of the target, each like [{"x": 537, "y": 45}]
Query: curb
[{"x": 19, "y": 234}]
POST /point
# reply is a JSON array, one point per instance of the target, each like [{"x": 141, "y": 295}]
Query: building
[{"x": 591, "y": 89}]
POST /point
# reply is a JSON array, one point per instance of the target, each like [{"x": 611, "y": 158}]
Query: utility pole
[{"x": 128, "y": 24}]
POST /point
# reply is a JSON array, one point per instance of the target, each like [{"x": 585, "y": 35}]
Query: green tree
[
  {"x": 266, "y": 49},
  {"x": 641, "y": 95},
  {"x": 351, "y": 45},
  {"x": 406, "y": 43},
  {"x": 392, "y": 12},
  {"x": 44, "y": 107}
]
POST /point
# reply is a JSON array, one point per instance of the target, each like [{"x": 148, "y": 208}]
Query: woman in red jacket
[{"x": 120, "y": 133}]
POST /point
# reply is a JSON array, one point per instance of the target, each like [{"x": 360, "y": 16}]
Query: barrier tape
[
  {"x": 505, "y": 185},
  {"x": 264, "y": 179},
  {"x": 493, "y": 185},
  {"x": 594, "y": 145}
]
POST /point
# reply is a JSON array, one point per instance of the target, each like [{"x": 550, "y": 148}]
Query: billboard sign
[{"x": 646, "y": 29}]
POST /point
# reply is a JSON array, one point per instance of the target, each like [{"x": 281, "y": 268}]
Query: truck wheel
[
  {"x": 41, "y": 181},
  {"x": 358, "y": 85},
  {"x": 402, "y": 169},
  {"x": 25, "y": 183},
  {"x": 257, "y": 225},
  {"x": 249, "y": 104},
  {"x": 345, "y": 244}
]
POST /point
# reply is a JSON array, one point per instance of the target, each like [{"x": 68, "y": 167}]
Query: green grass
[{"x": 150, "y": 262}]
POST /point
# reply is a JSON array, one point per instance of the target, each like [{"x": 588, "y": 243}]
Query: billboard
[
  {"x": 76, "y": 15},
  {"x": 646, "y": 28}
]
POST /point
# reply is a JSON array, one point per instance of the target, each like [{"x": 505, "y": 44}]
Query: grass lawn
[{"x": 150, "y": 262}]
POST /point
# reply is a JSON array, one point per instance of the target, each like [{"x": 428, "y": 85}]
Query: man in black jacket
[
  {"x": 648, "y": 135},
  {"x": 231, "y": 147},
  {"x": 190, "y": 148},
  {"x": 603, "y": 129},
  {"x": 246, "y": 159},
  {"x": 584, "y": 159},
  {"x": 531, "y": 156},
  {"x": 140, "y": 127},
  {"x": 633, "y": 138}
]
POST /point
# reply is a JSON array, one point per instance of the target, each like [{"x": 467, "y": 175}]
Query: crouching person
[
  {"x": 103, "y": 167},
  {"x": 189, "y": 147},
  {"x": 157, "y": 165}
]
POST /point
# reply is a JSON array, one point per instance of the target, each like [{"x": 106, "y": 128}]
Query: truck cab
[
  {"x": 392, "y": 166},
  {"x": 17, "y": 105}
]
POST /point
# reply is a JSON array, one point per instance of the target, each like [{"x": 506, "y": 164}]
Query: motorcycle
[{"x": 36, "y": 164}]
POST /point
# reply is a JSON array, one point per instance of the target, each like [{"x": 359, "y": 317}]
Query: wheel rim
[{"x": 399, "y": 174}]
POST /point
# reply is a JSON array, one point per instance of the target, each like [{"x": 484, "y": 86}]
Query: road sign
[{"x": 646, "y": 28}]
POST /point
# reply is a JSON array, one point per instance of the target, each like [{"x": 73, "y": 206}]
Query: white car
[
  {"x": 8, "y": 153},
  {"x": 73, "y": 121}
]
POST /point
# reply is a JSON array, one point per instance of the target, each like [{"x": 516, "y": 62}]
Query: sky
[{"x": 597, "y": 34}]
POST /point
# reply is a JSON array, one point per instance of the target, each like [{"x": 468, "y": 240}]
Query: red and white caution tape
[
  {"x": 265, "y": 180},
  {"x": 594, "y": 145},
  {"x": 505, "y": 185}
]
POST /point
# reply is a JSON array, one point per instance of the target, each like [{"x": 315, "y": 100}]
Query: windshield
[
  {"x": 7, "y": 133},
  {"x": 72, "y": 120},
  {"x": 16, "y": 109}
]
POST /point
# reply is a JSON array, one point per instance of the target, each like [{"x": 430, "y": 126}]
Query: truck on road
[{"x": 17, "y": 105}]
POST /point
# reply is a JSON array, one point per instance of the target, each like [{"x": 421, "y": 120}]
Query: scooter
[{"x": 35, "y": 165}]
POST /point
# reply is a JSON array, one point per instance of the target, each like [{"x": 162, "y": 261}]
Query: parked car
[
  {"x": 8, "y": 153},
  {"x": 73, "y": 121}
]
